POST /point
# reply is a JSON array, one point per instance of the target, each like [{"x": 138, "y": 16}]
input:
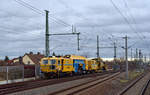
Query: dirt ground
[{"x": 111, "y": 87}]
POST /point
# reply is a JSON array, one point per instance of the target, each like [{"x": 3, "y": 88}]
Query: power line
[
  {"x": 62, "y": 2},
  {"x": 13, "y": 40},
  {"x": 27, "y": 6},
  {"x": 133, "y": 19},
  {"x": 8, "y": 31},
  {"x": 125, "y": 19},
  {"x": 68, "y": 7},
  {"x": 131, "y": 16},
  {"x": 56, "y": 20}
]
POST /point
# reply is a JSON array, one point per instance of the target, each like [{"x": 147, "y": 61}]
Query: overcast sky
[{"x": 23, "y": 30}]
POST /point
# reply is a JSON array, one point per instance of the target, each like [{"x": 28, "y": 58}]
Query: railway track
[
  {"x": 146, "y": 89},
  {"x": 16, "y": 87},
  {"x": 81, "y": 87},
  {"x": 131, "y": 85}
]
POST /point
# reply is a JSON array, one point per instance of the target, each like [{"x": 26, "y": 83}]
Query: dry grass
[{"x": 132, "y": 75}]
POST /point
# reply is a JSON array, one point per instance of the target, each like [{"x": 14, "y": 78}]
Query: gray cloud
[{"x": 23, "y": 30}]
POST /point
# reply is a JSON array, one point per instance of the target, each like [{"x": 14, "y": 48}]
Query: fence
[{"x": 10, "y": 73}]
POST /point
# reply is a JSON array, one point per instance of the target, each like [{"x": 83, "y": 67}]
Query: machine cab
[{"x": 50, "y": 64}]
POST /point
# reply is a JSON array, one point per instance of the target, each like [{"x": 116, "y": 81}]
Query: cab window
[
  {"x": 58, "y": 62},
  {"x": 52, "y": 61},
  {"x": 45, "y": 61}
]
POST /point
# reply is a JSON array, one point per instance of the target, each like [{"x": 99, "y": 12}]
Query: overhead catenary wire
[
  {"x": 27, "y": 6},
  {"x": 80, "y": 15},
  {"x": 131, "y": 16},
  {"x": 19, "y": 40},
  {"x": 68, "y": 7},
  {"x": 125, "y": 19},
  {"x": 33, "y": 9},
  {"x": 77, "y": 14},
  {"x": 8, "y": 31},
  {"x": 128, "y": 23},
  {"x": 40, "y": 13},
  {"x": 56, "y": 20},
  {"x": 72, "y": 10},
  {"x": 134, "y": 21}
]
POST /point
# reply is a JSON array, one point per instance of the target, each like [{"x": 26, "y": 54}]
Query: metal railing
[{"x": 11, "y": 73}]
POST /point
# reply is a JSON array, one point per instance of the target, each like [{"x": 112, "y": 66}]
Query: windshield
[
  {"x": 45, "y": 61},
  {"x": 52, "y": 62}
]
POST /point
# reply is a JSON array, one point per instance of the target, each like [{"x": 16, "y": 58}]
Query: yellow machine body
[{"x": 56, "y": 64}]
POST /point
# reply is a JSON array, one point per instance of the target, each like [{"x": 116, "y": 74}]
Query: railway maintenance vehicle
[{"x": 69, "y": 65}]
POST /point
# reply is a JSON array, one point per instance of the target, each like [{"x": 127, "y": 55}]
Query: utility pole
[
  {"x": 149, "y": 58},
  {"x": 47, "y": 52},
  {"x": 115, "y": 54},
  {"x": 97, "y": 46},
  {"x": 72, "y": 29},
  {"x": 131, "y": 54},
  {"x": 78, "y": 41},
  {"x": 126, "y": 56},
  {"x": 78, "y": 38},
  {"x": 145, "y": 63},
  {"x": 140, "y": 59},
  {"x": 136, "y": 54},
  {"x": 145, "y": 59}
]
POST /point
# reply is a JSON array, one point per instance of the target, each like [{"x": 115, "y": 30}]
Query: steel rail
[
  {"x": 35, "y": 84},
  {"x": 87, "y": 85},
  {"x": 145, "y": 88},
  {"x": 131, "y": 85}
]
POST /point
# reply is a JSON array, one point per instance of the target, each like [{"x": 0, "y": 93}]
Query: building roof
[
  {"x": 17, "y": 63},
  {"x": 2, "y": 62},
  {"x": 35, "y": 57},
  {"x": 15, "y": 58}
]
